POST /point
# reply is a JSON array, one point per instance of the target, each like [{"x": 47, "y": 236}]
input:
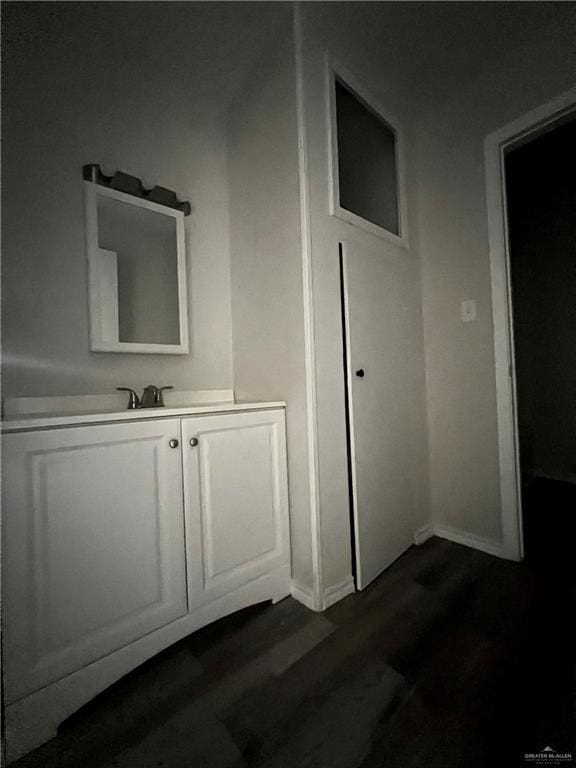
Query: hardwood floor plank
[
  {"x": 263, "y": 670},
  {"x": 451, "y": 659},
  {"x": 193, "y": 736},
  {"x": 339, "y": 734}
]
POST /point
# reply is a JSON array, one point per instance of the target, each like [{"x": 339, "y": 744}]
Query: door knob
[
  {"x": 193, "y": 442},
  {"x": 173, "y": 443},
  {"x": 360, "y": 373}
]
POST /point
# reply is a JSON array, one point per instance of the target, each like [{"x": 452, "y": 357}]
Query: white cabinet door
[
  {"x": 93, "y": 545},
  {"x": 236, "y": 500}
]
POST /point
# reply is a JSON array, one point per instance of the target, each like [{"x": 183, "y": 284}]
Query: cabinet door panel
[
  {"x": 94, "y": 553},
  {"x": 235, "y": 498}
]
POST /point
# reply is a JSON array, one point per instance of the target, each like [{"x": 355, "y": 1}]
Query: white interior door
[{"x": 380, "y": 404}]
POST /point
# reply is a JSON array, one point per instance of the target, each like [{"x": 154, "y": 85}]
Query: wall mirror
[{"x": 136, "y": 274}]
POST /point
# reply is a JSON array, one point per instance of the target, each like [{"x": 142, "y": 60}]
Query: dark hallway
[
  {"x": 541, "y": 207},
  {"x": 549, "y": 508}
]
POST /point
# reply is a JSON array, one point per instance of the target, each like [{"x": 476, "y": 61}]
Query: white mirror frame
[{"x": 102, "y": 282}]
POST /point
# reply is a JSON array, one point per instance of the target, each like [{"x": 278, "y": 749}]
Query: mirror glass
[
  {"x": 145, "y": 246},
  {"x": 136, "y": 273}
]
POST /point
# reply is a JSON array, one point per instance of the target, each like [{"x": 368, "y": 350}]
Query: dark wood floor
[{"x": 452, "y": 658}]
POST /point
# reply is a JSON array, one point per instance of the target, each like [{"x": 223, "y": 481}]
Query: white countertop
[{"x": 67, "y": 419}]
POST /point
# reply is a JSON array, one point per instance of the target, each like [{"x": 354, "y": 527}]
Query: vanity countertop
[{"x": 21, "y": 423}]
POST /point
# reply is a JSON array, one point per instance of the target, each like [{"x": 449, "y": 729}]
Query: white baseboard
[
  {"x": 304, "y": 596},
  {"x": 489, "y": 546},
  {"x": 331, "y": 595},
  {"x": 338, "y": 592},
  {"x": 423, "y": 534}
]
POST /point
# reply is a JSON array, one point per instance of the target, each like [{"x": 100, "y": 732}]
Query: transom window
[{"x": 365, "y": 164}]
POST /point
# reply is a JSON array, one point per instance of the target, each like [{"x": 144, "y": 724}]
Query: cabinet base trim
[
  {"x": 334, "y": 594},
  {"x": 304, "y": 596},
  {"x": 330, "y": 596},
  {"x": 35, "y": 719}
]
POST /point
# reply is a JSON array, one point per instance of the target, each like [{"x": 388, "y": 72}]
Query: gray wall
[
  {"x": 460, "y": 374},
  {"x": 266, "y": 266},
  {"x": 452, "y": 73},
  {"x": 349, "y": 34},
  {"x": 145, "y": 88},
  {"x": 138, "y": 87}
]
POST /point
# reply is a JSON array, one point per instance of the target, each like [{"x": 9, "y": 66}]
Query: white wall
[
  {"x": 461, "y": 398},
  {"x": 348, "y": 34},
  {"x": 138, "y": 87},
  {"x": 452, "y": 73},
  {"x": 146, "y": 88},
  {"x": 266, "y": 266}
]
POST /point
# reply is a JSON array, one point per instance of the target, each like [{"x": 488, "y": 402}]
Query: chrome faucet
[
  {"x": 151, "y": 397},
  {"x": 134, "y": 400}
]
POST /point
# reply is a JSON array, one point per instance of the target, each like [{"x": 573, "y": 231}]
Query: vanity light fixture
[{"x": 132, "y": 185}]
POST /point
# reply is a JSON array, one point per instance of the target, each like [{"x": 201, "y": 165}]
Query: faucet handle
[
  {"x": 134, "y": 400},
  {"x": 152, "y": 396},
  {"x": 160, "y": 396}
]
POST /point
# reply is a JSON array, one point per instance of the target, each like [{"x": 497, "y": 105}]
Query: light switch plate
[{"x": 468, "y": 310}]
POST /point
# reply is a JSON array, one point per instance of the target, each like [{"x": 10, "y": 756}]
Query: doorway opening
[{"x": 540, "y": 200}]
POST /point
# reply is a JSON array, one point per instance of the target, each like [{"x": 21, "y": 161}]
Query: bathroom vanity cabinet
[{"x": 121, "y": 538}]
